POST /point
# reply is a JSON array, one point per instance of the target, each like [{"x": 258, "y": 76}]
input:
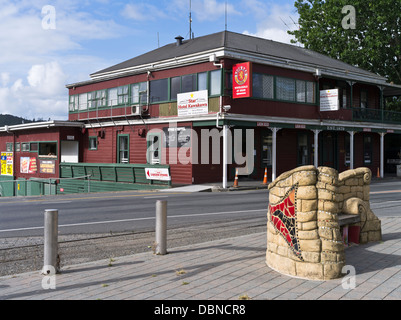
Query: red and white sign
[
  {"x": 242, "y": 80},
  {"x": 157, "y": 174},
  {"x": 192, "y": 103}
]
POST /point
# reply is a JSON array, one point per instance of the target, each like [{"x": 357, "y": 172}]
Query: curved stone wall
[{"x": 303, "y": 232}]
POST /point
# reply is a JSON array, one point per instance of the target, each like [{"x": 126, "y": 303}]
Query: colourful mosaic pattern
[{"x": 283, "y": 217}]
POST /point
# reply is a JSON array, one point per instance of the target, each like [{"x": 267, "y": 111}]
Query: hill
[{"x": 10, "y": 120}]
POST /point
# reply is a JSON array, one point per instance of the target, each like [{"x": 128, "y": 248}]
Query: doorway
[{"x": 328, "y": 149}]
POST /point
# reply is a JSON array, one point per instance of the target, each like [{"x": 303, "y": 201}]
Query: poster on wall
[
  {"x": 242, "y": 80},
  {"x": 177, "y": 137},
  {"x": 7, "y": 163},
  {"x": 157, "y": 174},
  {"x": 47, "y": 166},
  {"x": 28, "y": 165},
  {"x": 192, "y": 103},
  {"x": 329, "y": 100}
]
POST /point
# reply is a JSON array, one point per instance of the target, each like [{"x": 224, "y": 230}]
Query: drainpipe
[{"x": 213, "y": 59}]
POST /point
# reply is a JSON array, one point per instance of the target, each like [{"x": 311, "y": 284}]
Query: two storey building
[{"x": 210, "y": 105}]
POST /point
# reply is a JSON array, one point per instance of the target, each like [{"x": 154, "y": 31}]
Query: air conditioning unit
[{"x": 136, "y": 110}]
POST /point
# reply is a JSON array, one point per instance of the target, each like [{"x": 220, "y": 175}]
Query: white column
[
  {"x": 382, "y": 134},
  {"x": 316, "y": 154},
  {"x": 274, "y": 152},
  {"x": 225, "y": 147},
  {"x": 351, "y": 149}
]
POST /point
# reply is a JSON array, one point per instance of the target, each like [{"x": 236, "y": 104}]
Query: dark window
[
  {"x": 303, "y": 149},
  {"x": 159, "y": 90},
  {"x": 367, "y": 150},
  {"x": 175, "y": 87},
  {"x": 188, "y": 83}
]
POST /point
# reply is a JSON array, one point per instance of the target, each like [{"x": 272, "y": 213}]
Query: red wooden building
[{"x": 175, "y": 106}]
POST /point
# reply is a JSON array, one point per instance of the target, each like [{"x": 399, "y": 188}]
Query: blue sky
[{"x": 45, "y": 45}]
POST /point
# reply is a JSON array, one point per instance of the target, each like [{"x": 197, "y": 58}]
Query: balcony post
[{"x": 382, "y": 134}]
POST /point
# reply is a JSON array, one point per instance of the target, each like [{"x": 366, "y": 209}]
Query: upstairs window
[
  {"x": 263, "y": 86},
  {"x": 215, "y": 83},
  {"x": 139, "y": 93},
  {"x": 285, "y": 89},
  {"x": 97, "y": 99},
  {"x": 159, "y": 90}
]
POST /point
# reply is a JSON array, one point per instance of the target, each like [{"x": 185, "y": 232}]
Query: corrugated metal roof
[{"x": 238, "y": 42}]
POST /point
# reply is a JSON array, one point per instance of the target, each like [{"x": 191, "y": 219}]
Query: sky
[{"x": 45, "y": 45}]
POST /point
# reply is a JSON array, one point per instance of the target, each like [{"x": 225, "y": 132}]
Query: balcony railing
[{"x": 376, "y": 115}]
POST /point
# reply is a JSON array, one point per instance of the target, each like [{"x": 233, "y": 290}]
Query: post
[
  {"x": 316, "y": 153},
  {"x": 161, "y": 227},
  {"x": 51, "y": 263},
  {"x": 274, "y": 152},
  {"x": 351, "y": 150},
  {"x": 225, "y": 144},
  {"x": 382, "y": 134}
]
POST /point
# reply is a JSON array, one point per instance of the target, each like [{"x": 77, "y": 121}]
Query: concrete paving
[{"x": 228, "y": 269}]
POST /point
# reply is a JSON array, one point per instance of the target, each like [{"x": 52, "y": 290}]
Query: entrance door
[
  {"x": 69, "y": 151},
  {"x": 328, "y": 149}
]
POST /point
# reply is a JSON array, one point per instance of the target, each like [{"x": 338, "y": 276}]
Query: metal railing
[{"x": 376, "y": 115}]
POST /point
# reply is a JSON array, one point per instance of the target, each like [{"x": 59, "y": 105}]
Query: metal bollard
[
  {"x": 51, "y": 263},
  {"x": 161, "y": 227}
]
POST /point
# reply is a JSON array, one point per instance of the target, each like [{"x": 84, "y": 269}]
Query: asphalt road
[
  {"x": 126, "y": 211},
  {"x": 135, "y": 211},
  {"x": 109, "y": 225}
]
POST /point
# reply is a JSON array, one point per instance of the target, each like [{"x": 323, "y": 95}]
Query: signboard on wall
[
  {"x": 28, "y": 165},
  {"x": 192, "y": 103},
  {"x": 242, "y": 80},
  {"x": 47, "y": 166},
  {"x": 7, "y": 163},
  {"x": 177, "y": 137},
  {"x": 157, "y": 174},
  {"x": 329, "y": 100}
]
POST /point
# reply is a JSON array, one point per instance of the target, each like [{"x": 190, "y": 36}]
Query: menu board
[
  {"x": 28, "y": 165},
  {"x": 7, "y": 163}
]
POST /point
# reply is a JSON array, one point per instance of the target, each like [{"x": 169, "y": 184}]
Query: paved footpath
[{"x": 224, "y": 269}]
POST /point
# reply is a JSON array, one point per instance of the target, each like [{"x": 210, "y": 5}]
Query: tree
[{"x": 374, "y": 44}]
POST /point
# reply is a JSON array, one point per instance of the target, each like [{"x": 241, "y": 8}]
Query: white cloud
[
  {"x": 275, "y": 21},
  {"x": 42, "y": 95},
  {"x": 142, "y": 12}
]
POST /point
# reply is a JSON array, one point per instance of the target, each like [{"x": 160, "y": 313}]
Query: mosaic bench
[{"x": 312, "y": 213}]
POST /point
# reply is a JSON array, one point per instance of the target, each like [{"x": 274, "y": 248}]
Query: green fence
[
  {"x": 23, "y": 187},
  {"x": 100, "y": 177}
]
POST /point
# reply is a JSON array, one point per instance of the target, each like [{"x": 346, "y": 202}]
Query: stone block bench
[{"x": 310, "y": 209}]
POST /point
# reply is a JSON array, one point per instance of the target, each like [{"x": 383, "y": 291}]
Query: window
[
  {"x": 188, "y": 83},
  {"x": 122, "y": 93},
  {"x": 202, "y": 81},
  {"x": 93, "y": 143},
  {"x": 303, "y": 149},
  {"x": 123, "y": 149},
  {"x": 266, "y": 149},
  {"x": 97, "y": 99},
  {"x": 310, "y": 92},
  {"x": 344, "y": 100},
  {"x": 47, "y": 149},
  {"x": 301, "y": 90},
  {"x": 83, "y": 101},
  {"x": 139, "y": 93},
  {"x": 263, "y": 86},
  {"x": 17, "y": 147},
  {"x": 364, "y": 99},
  {"x": 34, "y": 147},
  {"x": 347, "y": 144},
  {"x": 112, "y": 97},
  {"x": 215, "y": 83},
  {"x": 153, "y": 154},
  {"x": 9, "y": 147},
  {"x": 25, "y": 146},
  {"x": 367, "y": 149},
  {"x": 285, "y": 89},
  {"x": 159, "y": 90},
  {"x": 73, "y": 103},
  {"x": 175, "y": 87}
]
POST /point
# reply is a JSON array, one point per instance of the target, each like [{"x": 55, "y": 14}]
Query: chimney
[{"x": 179, "y": 40}]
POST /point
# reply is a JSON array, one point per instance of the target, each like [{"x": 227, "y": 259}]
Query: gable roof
[{"x": 236, "y": 46}]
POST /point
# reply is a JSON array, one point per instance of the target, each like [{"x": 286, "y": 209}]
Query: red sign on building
[{"x": 242, "y": 80}]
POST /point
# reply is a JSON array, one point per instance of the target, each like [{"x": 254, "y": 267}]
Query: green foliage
[
  {"x": 7, "y": 119},
  {"x": 375, "y": 43}
]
